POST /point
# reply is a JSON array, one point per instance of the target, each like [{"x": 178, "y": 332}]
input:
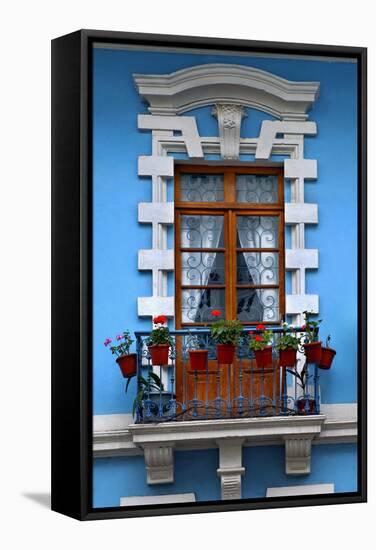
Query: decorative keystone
[{"x": 229, "y": 121}]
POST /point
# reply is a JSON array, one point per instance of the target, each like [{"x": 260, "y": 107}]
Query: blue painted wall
[
  {"x": 118, "y": 236},
  {"x": 196, "y": 471},
  {"x": 118, "y": 190}
]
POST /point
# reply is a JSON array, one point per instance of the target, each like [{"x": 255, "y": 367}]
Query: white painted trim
[
  {"x": 112, "y": 436},
  {"x": 175, "y": 498},
  {"x": 213, "y": 83},
  {"x": 229, "y": 118},
  {"x": 230, "y": 468},
  {"x": 300, "y": 490},
  {"x": 229, "y": 88}
]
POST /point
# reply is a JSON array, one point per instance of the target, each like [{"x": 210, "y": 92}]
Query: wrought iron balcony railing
[{"x": 176, "y": 391}]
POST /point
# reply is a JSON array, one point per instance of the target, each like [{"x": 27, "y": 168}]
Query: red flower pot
[
  {"x": 306, "y": 406},
  {"x": 198, "y": 359},
  {"x": 263, "y": 357},
  {"x": 159, "y": 354},
  {"x": 225, "y": 353},
  {"x": 313, "y": 352},
  {"x": 128, "y": 364},
  {"x": 327, "y": 356},
  {"x": 287, "y": 357}
]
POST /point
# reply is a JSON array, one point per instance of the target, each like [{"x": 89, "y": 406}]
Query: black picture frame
[{"x": 72, "y": 281}]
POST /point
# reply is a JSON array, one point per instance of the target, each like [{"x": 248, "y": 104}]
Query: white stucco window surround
[{"x": 229, "y": 89}]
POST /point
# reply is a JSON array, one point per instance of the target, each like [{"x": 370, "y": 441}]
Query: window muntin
[{"x": 230, "y": 255}]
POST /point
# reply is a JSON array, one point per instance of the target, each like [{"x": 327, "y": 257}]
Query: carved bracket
[
  {"x": 229, "y": 118},
  {"x": 298, "y": 455},
  {"x": 159, "y": 462}
]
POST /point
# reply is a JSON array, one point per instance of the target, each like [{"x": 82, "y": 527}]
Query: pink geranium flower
[
  {"x": 119, "y": 337},
  {"x": 107, "y": 341}
]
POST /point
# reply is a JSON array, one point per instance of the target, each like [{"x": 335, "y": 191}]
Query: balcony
[{"x": 177, "y": 392}]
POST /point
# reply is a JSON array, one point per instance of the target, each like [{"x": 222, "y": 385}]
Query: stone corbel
[
  {"x": 298, "y": 455},
  {"x": 159, "y": 462},
  {"x": 229, "y": 118},
  {"x": 230, "y": 468}
]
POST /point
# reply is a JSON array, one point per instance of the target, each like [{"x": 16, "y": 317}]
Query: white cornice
[
  {"x": 215, "y": 83},
  {"x": 113, "y": 436}
]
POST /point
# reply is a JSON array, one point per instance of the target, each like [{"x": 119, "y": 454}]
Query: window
[{"x": 229, "y": 244}]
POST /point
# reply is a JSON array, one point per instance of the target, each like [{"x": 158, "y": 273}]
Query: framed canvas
[{"x": 209, "y": 274}]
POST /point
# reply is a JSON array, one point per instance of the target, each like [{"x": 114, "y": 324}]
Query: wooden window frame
[{"x": 230, "y": 209}]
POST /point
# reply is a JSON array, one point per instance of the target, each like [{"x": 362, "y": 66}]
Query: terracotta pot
[
  {"x": 159, "y": 354},
  {"x": 313, "y": 352},
  {"x": 198, "y": 359},
  {"x": 225, "y": 353},
  {"x": 128, "y": 364},
  {"x": 287, "y": 357},
  {"x": 306, "y": 406},
  {"x": 264, "y": 357},
  {"x": 327, "y": 356}
]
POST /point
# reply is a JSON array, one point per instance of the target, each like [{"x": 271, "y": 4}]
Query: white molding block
[
  {"x": 230, "y": 468},
  {"x": 155, "y": 166},
  {"x": 300, "y": 490},
  {"x": 301, "y": 212},
  {"x": 298, "y": 455},
  {"x": 296, "y": 303},
  {"x": 156, "y": 212},
  {"x": 302, "y": 168},
  {"x": 174, "y": 498},
  {"x": 301, "y": 258},
  {"x": 229, "y": 118},
  {"x": 156, "y": 305},
  {"x": 270, "y": 129},
  {"x": 155, "y": 259},
  {"x": 159, "y": 463},
  {"x": 212, "y": 83},
  {"x": 185, "y": 124}
]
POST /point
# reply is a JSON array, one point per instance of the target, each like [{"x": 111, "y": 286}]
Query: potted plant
[
  {"x": 327, "y": 355},
  {"x": 288, "y": 344},
  {"x": 226, "y": 334},
  {"x": 198, "y": 357},
  {"x": 304, "y": 404},
  {"x": 159, "y": 341},
  {"x": 312, "y": 347},
  {"x": 261, "y": 344},
  {"x": 126, "y": 361},
  {"x": 151, "y": 388}
]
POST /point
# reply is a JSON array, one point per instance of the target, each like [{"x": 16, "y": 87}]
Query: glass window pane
[
  {"x": 256, "y": 304},
  {"x": 257, "y": 188},
  {"x": 257, "y": 268},
  {"x": 202, "y": 268},
  {"x": 202, "y": 187},
  {"x": 257, "y": 231},
  {"x": 197, "y": 305},
  {"x": 201, "y": 231}
]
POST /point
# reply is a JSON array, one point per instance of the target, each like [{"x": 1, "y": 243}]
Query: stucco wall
[
  {"x": 118, "y": 190},
  {"x": 195, "y": 471}
]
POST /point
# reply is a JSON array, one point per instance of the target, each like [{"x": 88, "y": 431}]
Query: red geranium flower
[
  {"x": 304, "y": 327},
  {"x": 216, "y": 313},
  {"x": 160, "y": 320},
  {"x": 258, "y": 338},
  {"x": 260, "y": 327}
]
